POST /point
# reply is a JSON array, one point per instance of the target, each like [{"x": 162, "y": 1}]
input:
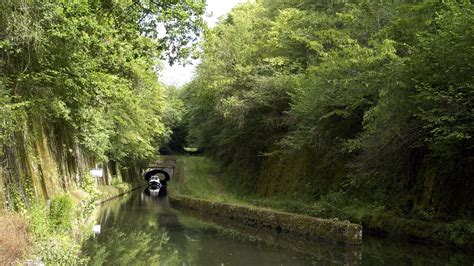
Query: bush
[
  {"x": 461, "y": 232},
  {"x": 60, "y": 213},
  {"x": 87, "y": 205},
  {"x": 52, "y": 241},
  {"x": 120, "y": 185},
  {"x": 88, "y": 184},
  {"x": 39, "y": 221},
  {"x": 58, "y": 250},
  {"x": 330, "y": 206}
]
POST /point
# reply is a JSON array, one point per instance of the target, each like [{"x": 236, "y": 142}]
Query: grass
[
  {"x": 116, "y": 188},
  {"x": 199, "y": 177},
  {"x": 42, "y": 234},
  {"x": 53, "y": 234},
  {"x": 15, "y": 238}
]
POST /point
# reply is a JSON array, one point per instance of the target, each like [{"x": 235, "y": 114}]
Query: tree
[{"x": 88, "y": 68}]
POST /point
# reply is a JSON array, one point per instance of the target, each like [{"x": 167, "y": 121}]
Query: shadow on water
[
  {"x": 144, "y": 230},
  {"x": 317, "y": 250},
  {"x": 140, "y": 229},
  {"x": 135, "y": 230}
]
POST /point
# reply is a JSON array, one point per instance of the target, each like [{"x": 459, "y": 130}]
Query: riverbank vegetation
[
  {"x": 79, "y": 90},
  {"x": 78, "y": 87},
  {"x": 14, "y": 238},
  {"x": 346, "y": 109},
  {"x": 200, "y": 177},
  {"x": 343, "y": 104},
  {"x": 53, "y": 232},
  {"x": 335, "y": 108}
]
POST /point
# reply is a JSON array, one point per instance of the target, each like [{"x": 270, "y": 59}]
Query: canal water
[{"x": 141, "y": 230}]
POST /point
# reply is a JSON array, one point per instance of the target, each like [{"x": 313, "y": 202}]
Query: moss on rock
[{"x": 300, "y": 225}]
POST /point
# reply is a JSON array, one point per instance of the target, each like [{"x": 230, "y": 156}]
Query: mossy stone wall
[
  {"x": 41, "y": 161},
  {"x": 304, "y": 172},
  {"x": 298, "y": 225}
]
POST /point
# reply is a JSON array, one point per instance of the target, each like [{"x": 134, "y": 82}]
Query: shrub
[
  {"x": 52, "y": 241},
  {"x": 461, "y": 232},
  {"x": 87, "y": 205},
  {"x": 39, "y": 221},
  {"x": 120, "y": 185},
  {"x": 58, "y": 250},
  {"x": 115, "y": 181},
  {"x": 88, "y": 184},
  {"x": 330, "y": 205},
  {"x": 61, "y": 212}
]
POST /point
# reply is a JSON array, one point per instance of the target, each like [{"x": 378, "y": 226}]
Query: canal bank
[
  {"x": 198, "y": 177},
  {"x": 139, "y": 229},
  {"x": 112, "y": 192},
  {"x": 53, "y": 232},
  {"x": 288, "y": 224}
]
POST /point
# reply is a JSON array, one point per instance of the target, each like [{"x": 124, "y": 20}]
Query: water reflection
[
  {"x": 138, "y": 229},
  {"x": 318, "y": 250},
  {"x": 143, "y": 230}
]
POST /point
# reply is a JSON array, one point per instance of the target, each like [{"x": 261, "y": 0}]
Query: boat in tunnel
[{"x": 157, "y": 180}]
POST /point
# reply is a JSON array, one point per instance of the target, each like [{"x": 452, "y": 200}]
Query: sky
[{"x": 179, "y": 75}]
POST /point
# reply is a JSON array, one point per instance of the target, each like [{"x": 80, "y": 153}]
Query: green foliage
[
  {"x": 39, "y": 221},
  {"x": 462, "y": 232},
  {"x": 52, "y": 231},
  {"x": 86, "y": 68},
  {"x": 444, "y": 81},
  {"x": 198, "y": 177},
  {"x": 82, "y": 73},
  {"x": 422, "y": 123},
  {"x": 121, "y": 185},
  {"x": 18, "y": 203},
  {"x": 88, "y": 204},
  {"x": 56, "y": 220},
  {"x": 381, "y": 94},
  {"x": 87, "y": 184},
  {"x": 115, "y": 181},
  {"x": 329, "y": 205},
  {"x": 60, "y": 212},
  {"x": 59, "y": 250}
]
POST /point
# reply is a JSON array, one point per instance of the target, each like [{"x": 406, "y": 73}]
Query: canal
[{"x": 137, "y": 229}]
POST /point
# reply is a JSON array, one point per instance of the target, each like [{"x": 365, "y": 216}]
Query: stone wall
[
  {"x": 38, "y": 163},
  {"x": 280, "y": 222}
]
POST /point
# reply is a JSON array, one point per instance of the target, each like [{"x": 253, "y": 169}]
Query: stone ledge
[
  {"x": 119, "y": 193},
  {"x": 280, "y": 222}
]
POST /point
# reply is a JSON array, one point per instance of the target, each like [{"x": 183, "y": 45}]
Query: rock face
[
  {"x": 44, "y": 160},
  {"x": 280, "y": 222},
  {"x": 40, "y": 162}
]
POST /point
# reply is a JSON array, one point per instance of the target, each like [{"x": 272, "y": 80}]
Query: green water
[{"x": 141, "y": 230}]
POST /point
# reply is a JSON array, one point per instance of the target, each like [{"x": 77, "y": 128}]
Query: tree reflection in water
[
  {"x": 148, "y": 232},
  {"x": 141, "y": 230}
]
